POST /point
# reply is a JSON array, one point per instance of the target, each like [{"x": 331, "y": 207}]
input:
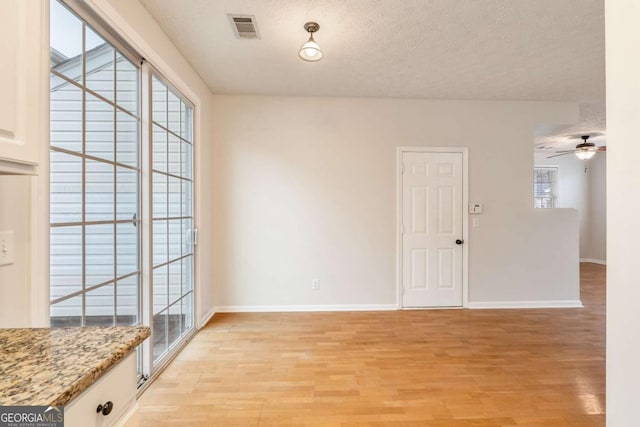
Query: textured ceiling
[{"x": 547, "y": 50}]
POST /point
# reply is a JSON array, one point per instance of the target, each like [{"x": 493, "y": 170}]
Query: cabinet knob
[{"x": 106, "y": 408}]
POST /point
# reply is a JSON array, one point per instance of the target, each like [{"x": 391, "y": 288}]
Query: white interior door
[{"x": 432, "y": 233}]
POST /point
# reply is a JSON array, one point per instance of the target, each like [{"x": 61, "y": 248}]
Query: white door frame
[{"x": 465, "y": 216}]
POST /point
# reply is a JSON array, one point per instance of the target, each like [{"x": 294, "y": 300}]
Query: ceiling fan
[{"x": 584, "y": 151}]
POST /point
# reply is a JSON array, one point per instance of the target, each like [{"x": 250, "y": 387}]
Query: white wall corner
[{"x": 205, "y": 319}]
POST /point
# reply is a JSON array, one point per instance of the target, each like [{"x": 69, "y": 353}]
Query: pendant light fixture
[{"x": 310, "y": 51}]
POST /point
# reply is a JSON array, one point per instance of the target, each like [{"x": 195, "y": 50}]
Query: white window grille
[{"x": 544, "y": 186}]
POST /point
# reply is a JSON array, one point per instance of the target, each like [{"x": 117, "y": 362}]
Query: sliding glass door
[
  {"x": 94, "y": 178},
  {"x": 121, "y": 197},
  {"x": 172, "y": 216}
]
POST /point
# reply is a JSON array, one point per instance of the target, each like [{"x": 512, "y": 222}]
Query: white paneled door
[{"x": 431, "y": 229}]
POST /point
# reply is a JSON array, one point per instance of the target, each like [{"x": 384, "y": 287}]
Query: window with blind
[{"x": 544, "y": 186}]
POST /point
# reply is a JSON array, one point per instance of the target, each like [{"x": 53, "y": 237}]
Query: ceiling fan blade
[
  {"x": 561, "y": 154},
  {"x": 603, "y": 148}
]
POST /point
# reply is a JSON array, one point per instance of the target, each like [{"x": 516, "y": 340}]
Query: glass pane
[
  {"x": 160, "y": 289},
  {"x": 186, "y": 168},
  {"x": 175, "y": 277},
  {"x": 159, "y": 195},
  {"x": 66, "y": 42},
  {"x": 187, "y": 197},
  {"x": 126, "y": 193},
  {"x": 173, "y": 155},
  {"x": 185, "y": 128},
  {"x": 127, "y": 301},
  {"x": 126, "y": 139},
  {"x": 159, "y": 102},
  {"x": 160, "y": 328},
  {"x": 173, "y": 112},
  {"x": 159, "y": 146},
  {"x": 175, "y": 197},
  {"x": 99, "y": 258},
  {"x": 187, "y": 312},
  {"x": 98, "y": 191},
  {"x": 187, "y": 240},
  {"x": 126, "y": 248},
  {"x": 126, "y": 84},
  {"x": 174, "y": 327},
  {"x": 65, "y": 188},
  {"x": 175, "y": 239},
  {"x": 67, "y": 313},
  {"x": 100, "y": 69},
  {"x": 66, "y": 261},
  {"x": 160, "y": 248},
  {"x": 66, "y": 117},
  {"x": 100, "y": 309},
  {"x": 99, "y": 127},
  {"x": 187, "y": 274}
]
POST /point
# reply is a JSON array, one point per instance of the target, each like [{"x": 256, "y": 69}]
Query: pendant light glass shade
[
  {"x": 585, "y": 154},
  {"x": 310, "y": 51}
]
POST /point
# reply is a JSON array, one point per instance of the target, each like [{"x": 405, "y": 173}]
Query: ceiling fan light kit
[
  {"x": 585, "y": 154},
  {"x": 584, "y": 151},
  {"x": 310, "y": 51}
]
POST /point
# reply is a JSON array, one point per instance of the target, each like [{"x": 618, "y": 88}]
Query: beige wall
[
  {"x": 623, "y": 204},
  {"x": 597, "y": 249},
  {"x": 585, "y": 192},
  {"x": 305, "y": 188},
  {"x": 14, "y": 279}
]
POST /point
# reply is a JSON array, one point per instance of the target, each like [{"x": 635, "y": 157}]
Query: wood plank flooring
[{"x": 439, "y": 368}]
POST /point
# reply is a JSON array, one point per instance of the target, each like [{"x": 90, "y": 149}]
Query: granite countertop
[{"x": 42, "y": 366}]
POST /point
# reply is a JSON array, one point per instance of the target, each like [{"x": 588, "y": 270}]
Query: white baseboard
[
  {"x": 292, "y": 308},
  {"x": 526, "y": 304},
  {"x": 205, "y": 319},
  {"x": 594, "y": 261}
]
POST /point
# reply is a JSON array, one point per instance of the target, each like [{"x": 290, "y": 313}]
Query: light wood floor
[{"x": 444, "y": 368}]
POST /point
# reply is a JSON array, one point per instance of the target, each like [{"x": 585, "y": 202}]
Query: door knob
[{"x": 459, "y": 242}]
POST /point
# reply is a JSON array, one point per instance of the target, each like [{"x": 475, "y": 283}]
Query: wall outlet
[
  {"x": 315, "y": 284},
  {"x": 6, "y": 247}
]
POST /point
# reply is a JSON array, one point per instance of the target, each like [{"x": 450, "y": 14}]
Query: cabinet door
[
  {"x": 117, "y": 386},
  {"x": 23, "y": 100}
]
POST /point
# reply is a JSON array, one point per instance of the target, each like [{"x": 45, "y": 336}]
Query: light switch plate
[
  {"x": 475, "y": 208},
  {"x": 6, "y": 247}
]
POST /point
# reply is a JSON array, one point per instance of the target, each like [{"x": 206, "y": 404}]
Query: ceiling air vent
[{"x": 244, "y": 26}]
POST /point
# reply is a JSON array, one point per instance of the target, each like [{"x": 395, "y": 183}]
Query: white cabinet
[
  {"x": 117, "y": 386},
  {"x": 23, "y": 84}
]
